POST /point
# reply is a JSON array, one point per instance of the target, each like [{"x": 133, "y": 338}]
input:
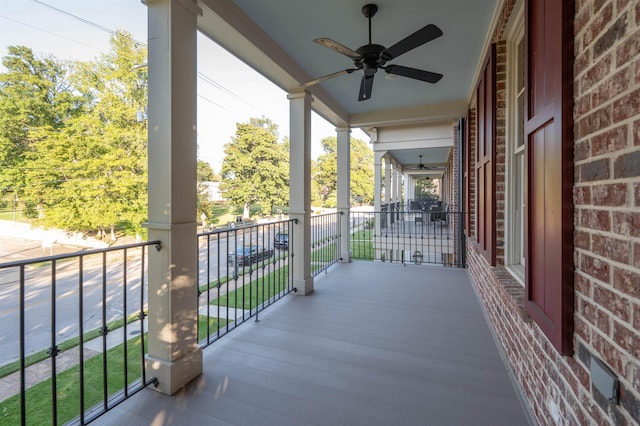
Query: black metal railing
[
  {"x": 325, "y": 241},
  {"x": 416, "y": 237},
  {"x": 91, "y": 307},
  {"x": 240, "y": 273}
]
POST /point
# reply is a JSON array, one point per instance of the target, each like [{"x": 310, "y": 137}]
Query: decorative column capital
[
  {"x": 190, "y": 5},
  {"x": 300, "y": 95}
]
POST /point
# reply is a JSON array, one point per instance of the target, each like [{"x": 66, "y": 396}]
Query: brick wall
[
  {"x": 607, "y": 207},
  {"x": 606, "y": 238}
]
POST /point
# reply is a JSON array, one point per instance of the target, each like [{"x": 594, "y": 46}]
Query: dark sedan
[{"x": 248, "y": 255}]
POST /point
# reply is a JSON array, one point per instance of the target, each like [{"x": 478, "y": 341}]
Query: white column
[
  {"x": 174, "y": 357},
  {"x": 408, "y": 187},
  {"x": 387, "y": 181},
  {"x": 377, "y": 192},
  {"x": 398, "y": 176},
  {"x": 344, "y": 190},
  {"x": 300, "y": 190},
  {"x": 394, "y": 185},
  {"x": 387, "y": 189}
]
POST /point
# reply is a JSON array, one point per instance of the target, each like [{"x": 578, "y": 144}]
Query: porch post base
[
  {"x": 303, "y": 287},
  {"x": 173, "y": 376}
]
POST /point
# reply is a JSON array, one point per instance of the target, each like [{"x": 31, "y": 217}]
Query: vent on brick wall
[{"x": 604, "y": 380}]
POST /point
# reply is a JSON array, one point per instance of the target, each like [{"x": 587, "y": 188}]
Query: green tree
[
  {"x": 35, "y": 97},
  {"x": 91, "y": 171},
  {"x": 255, "y": 169},
  {"x": 362, "y": 159},
  {"x": 325, "y": 169},
  {"x": 205, "y": 174},
  {"x": 425, "y": 188}
]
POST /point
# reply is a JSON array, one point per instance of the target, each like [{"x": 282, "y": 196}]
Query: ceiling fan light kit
[{"x": 371, "y": 57}]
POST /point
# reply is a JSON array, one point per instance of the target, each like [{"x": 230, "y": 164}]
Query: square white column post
[
  {"x": 300, "y": 190},
  {"x": 344, "y": 190},
  {"x": 387, "y": 190},
  {"x": 398, "y": 176},
  {"x": 394, "y": 189},
  {"x": 408, "y": 189},
  {"x": 174, "y": 357},
  {"x": 377, "y": 193}
]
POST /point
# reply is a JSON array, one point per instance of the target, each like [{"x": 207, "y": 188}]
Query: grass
[
  {"x": 362, "y": 245},
  {"x": 324, "y": 253},
  {"x": 242, "y": 270},
  {"x": 11, "y": 368},
  {"x": 39, "y": 397},
  {"x": 222, "y": 213},
  {"x": 6, "y": 214},
  {"x": 257, "y": 291}
]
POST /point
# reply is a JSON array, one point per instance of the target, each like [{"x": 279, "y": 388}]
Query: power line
[
  {"x": 221, "y": 87},
  {"x": 202, "y": 75},
  {"x": 85, "y": 21},
  {"x": 49, "y": 32}
]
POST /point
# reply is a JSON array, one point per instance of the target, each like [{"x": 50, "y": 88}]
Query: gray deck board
[{"x": 375, "y": 344}]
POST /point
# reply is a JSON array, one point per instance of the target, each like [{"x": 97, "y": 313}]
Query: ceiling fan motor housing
[
  {"x": 370, "y": 58},
  {"x": 369, "y": 10}
]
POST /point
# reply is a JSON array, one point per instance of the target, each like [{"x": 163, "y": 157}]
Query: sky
[{"x": 228, "y": 90}]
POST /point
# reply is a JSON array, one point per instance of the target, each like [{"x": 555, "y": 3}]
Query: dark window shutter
[
  {"x": 548, "y": 124},
  {"x": 485, "y": 158}
]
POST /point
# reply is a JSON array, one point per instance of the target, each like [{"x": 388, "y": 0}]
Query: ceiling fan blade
[
  {"x": 334, "y": 45},
  {"x": 428, "y": 76},
  {"x": 327, "y": 77},
  {"x": 420, "y": 37},
  {"x": 365, "y": 87}
]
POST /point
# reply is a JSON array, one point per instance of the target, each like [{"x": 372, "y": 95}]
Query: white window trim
[{"x": 514, "y": 33}]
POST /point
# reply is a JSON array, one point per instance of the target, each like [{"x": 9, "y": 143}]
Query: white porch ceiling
[{"x": 275, "y": 37}]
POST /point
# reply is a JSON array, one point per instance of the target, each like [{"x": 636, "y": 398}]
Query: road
[
  {"x": 102, "y": 291},
  {"x": 105, "y": 288}
]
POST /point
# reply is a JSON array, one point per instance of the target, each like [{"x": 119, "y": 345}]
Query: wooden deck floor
[{"x": 375, "y": 344}]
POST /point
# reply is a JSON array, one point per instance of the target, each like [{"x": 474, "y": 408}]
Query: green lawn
[
  {"x": 362, "y": 245},
  {"x": 11, "y": 368},
  {"x": 324, "y": 253},
  {"x": 256, "y": 292},
  {"x": 39, "y": 397}
]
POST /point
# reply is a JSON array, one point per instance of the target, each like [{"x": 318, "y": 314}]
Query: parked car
[
  {"x": 245, "y": 256},
  {"x": 281, "y": 241}
]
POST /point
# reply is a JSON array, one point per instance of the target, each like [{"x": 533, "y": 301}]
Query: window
[{"x": 515, "y": 167}]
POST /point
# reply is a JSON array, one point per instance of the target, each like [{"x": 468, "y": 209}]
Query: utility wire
[
  {"x": 85, "y": 21},
  {"x": 49, "y": 32},
  {"x": 203, "y": 76}
]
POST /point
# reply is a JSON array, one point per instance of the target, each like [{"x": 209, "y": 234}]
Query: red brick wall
[{"x": 606, "y": 239}]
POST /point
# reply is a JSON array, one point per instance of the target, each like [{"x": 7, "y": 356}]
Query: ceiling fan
[
  {"x": 371, "y": 56},
  {"x": 421, "y": 166}
]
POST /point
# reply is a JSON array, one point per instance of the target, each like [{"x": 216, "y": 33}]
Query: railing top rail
[
  {"x": 82, "y": 253},
  {"x": 326, "y": 214},
  {"x": 253, "y": 225}
]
